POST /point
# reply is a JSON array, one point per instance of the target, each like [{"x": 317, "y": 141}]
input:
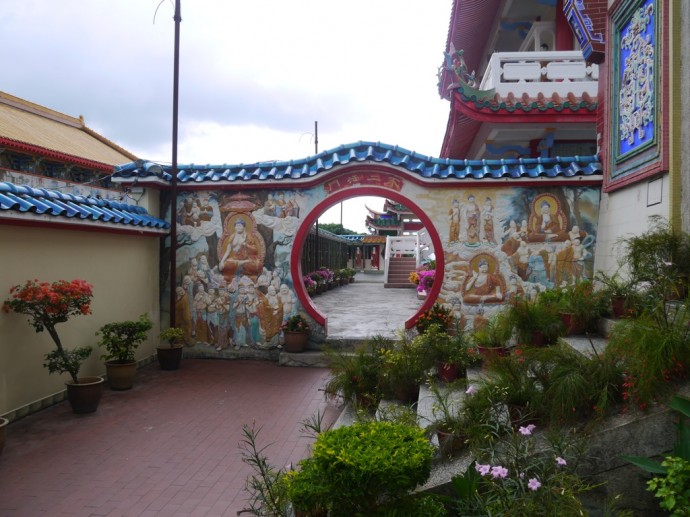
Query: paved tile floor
[
  {"x": 365, "y": 308},
  {"x": 167, "y": 447}
]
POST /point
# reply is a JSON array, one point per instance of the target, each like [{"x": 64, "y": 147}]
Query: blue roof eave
[
  {"x": 23, "y": 199},
  {"x": 424, "y": 167}
]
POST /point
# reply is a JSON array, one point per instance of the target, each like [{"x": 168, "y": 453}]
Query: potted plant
[
  {"x": 121, "y": 340},
  {"x": 518, "y": 389},
  {"x": 296, "y": 333},
  {"x": 3, "y": 432},
  {"x": 536, "y": 322},
  {"x": 437, "y": 314},
  {"x": 452, "y": 354},
  {"x": 355, "y": 376},
  {"x": 404, "y": 368},
  {"x": 660, "y": 258},
  {"x": 448, "y": 421},
  {"x": 492, "y": 338},
  {"x": 170, "y": 357},
  {"x": 47, "y": 305},
  {"x": 580, "y": 305},
  {"x": 618, "y": 291}
]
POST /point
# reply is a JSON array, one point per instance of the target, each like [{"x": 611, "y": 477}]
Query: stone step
[
  {"x": 586, "y": 345},
  {"x": 399, "y": 285}
]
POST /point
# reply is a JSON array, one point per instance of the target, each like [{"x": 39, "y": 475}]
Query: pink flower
[
  {"x": 561, "y": 461},
  {"x": 482, "y": 469},
  {"x": 526, "y": 431},
  {"x": 470, "y": 389},
  {"x": 499, "y": 472},
  {"x": 533, "y": 484}
]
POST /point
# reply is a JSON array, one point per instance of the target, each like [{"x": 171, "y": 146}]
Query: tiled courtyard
[{"x": 167, "y": 447}]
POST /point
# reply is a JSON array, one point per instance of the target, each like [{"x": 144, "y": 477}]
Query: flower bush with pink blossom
[{"x": 522, "y": 474}]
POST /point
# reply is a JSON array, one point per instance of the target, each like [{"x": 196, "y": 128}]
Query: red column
[{"x": 564, "y": 35}]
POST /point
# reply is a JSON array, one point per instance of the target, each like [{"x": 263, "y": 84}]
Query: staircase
[
  {"x": 651, "y": 433},
  {"x": 399, "y": 269}
]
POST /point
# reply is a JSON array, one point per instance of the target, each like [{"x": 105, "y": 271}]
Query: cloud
[{"x": 254, "y": 76}]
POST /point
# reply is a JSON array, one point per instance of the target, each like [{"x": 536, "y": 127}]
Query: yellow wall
[{"x": 124, "y": 272}]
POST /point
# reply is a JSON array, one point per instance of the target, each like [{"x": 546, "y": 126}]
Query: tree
[{"x": 337, "y": 229}]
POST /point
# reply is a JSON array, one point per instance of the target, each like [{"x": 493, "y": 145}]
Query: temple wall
[
  {"x": 234, "y": 282},
  {"x": 626, "y": 211},
  {"x": 123, "y": 270}
]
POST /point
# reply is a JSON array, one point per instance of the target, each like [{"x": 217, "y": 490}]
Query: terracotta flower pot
[
  {"x": 121, "y": 375},
  {"x": 169, "y": 358},
  {"x": 539, "y": 339},
  {"x": 85, "y": 396},
  {"x": 295, "y": 341},
  {"x": 407, "y": 392},
  {"x": 3, "y": 432},
  {"x": 448, "y": 372},
  {"x": 491, "y": 353},
  {"x": 448, "y": 443},
  {"x": 572, "y": 326},
  {"x": 618, "y": 306}
]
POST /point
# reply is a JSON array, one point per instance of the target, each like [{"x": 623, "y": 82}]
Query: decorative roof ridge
[
  {"x": 415, "y": 163},
  {"x": 22, "y": 198},
  {"x": 108, "y": 142},
  {"x": 37, "y": 109},
  {"x": 493, "y": 101}
]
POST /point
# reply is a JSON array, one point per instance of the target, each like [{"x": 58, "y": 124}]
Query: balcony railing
[{"x": 532, "y": 73}]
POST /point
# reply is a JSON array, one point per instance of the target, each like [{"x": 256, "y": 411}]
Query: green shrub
[
  {"x": 121, "y": 339},
  {"x": 358, "y": 469}
]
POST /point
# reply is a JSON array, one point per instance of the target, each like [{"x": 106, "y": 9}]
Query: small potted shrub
[
  {"x": 170, "y": 357},
  {"x": 47, "y": 305},
  {"x": 3, "y": 432},
  {"x": 492, "y": 339},
  {"x": 618, "y": 291},
  {"x": 296, "y": 333},
  {"x": 448, "y": 420},
  {"x": 121, "y": 340},
  {"x": 355, "y": 376},
  {"x": 438, "y": 314},
  {"x": 580, "y": 305},
  {"x": 404, "y": 369},
  {"x": 452, "y": 354},
  {"x": 536, "y": 322}
]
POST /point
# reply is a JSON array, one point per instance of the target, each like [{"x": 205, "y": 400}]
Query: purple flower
[
  {"x": 470, "y": 389},
  {"x": 482, "y": 469},
  {"x": 561, "y": 461},
  {"x": 499, "y": 472},
  {"x": 533, "y": 484},
  {"x": 526, "y": 431}
]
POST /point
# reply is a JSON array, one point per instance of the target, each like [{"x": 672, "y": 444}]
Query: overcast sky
[{"x": 254, "y": 74}]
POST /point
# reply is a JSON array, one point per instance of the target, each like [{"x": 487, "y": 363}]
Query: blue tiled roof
[
  {"x": 20, "y": 198},
  {"x": 418, "y": 164}
]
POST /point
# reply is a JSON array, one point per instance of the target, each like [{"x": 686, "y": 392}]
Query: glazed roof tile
[
  {"x": 23, "y": 122},
  {"x": 422, "y": 166},
  {"x": 488, "y": 99},
  {"x": 374, "y": 239},
  {"x": 23, "y": 199}
]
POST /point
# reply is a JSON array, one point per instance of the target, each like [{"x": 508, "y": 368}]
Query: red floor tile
[{"x": 166, "y": 447}]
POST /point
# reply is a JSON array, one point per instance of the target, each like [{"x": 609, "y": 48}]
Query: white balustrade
[{"x": 532, "y": 73}]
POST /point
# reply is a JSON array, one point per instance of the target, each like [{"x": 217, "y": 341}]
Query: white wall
[{"x": 624, "y": 212}]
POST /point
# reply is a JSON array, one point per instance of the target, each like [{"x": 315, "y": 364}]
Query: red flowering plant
[
  {"x": 47, "y": 305},
  {"x": 438, "y": 314},
  {"x": 296, "y": 323}
]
